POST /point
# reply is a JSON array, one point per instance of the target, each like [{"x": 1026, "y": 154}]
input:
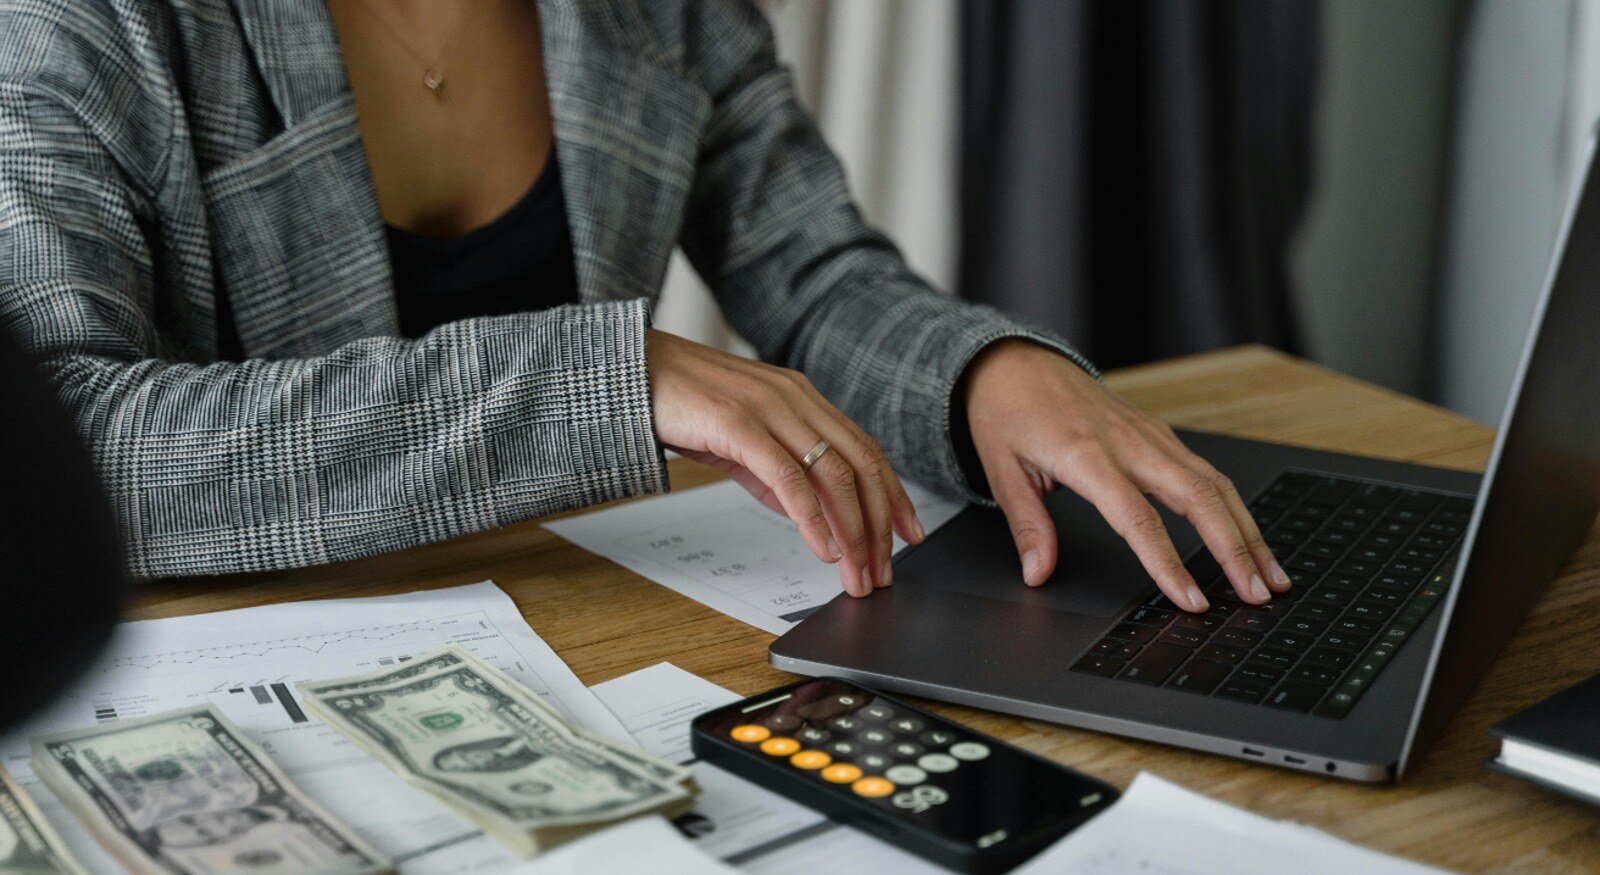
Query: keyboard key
[
  {"x": 1223, "y": 652},
  {"x": 1309, "y": 563},
  {"x": 1303, "y": 626},
  {"x": 1329, "y": 657},
  {"x": 1442, "y": 528},
  {"x": 1331, "y": 490},
  {"x": 1322, "y": 551},
  {"x": 1457, "y": 517},
  {"x": 1383, "y": 541},
  {"x": 1242, "y": 691},
  {"x": 1357, "y": 568},
  {"x": 1369, "y": 611},
  {"x": 1372, "y": 493},
  {"x": 1149, "y": 617},
  {"x": 1155, "y": 664},
  {"x": 1322, "y": 677},
  {"x": 1420, "y": 555},
  {"x": 1201, "y": 622},
  {"x": 1252, "y": 620},
  {"x": 1341, "y": 641},
  {"x": 1270, "y": 658},
  {"x": 1338, "y": 704},
  {"x": 1258, "y": 674},
  {"x": 1370, "y": 554},
  {"x": 1277, "y": 607},
  {"x": 1432, "y": 542},
  {"x": 1199, "y": 676},
  {"x": 1294, "y": 643},
  {"x": 1183, "y": 637},
  {"x": 1384, "y": 596},
  {"x": 1335, "y": 537},
  {"x": 1346, "y": 582},
  {"x": 1395, "y": 581},
  {"x": 1295, "y": 696},
  {"x": 1116, "y": 650},
  {"x": 1338, "y": 597},
  {"x": 1409, "y": 569},
  {"x": 1133, "y": 632},
  {"x": 1238, "y": 637},
  {"x": 1279, "y": 538},
  {"x": 1312, "y": 610},
  {"x": 1363, "y": 511},
  {"x": 1353, "y": 525},
  {"x": 1405, "y": 515},
  {"x": 1394, "y": 527},
  {"x": 1314, "y": 511},
  {"x": 1356, "y": 626},
  {"x": 1299, "y": 524}
]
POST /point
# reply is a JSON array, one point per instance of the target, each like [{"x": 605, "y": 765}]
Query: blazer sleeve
[
  {"x": 380, "y": 444},
  {"x": 771, "y": 227}
]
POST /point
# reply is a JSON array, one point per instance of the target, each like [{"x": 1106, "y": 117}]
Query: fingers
[
  {"x": 1034, "y": 533},
  {"x": 1260, "y": 551},
  {"x": 1201, "y": 496},
  {"x": 784, "y": 477},
  {"x": 1122, "y": 504},
  {"x": 863, "y": 451},
  {"x": 854, "y": 501}
]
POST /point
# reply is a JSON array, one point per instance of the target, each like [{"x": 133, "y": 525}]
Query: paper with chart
[
  {"x": 720, "y": 547},
  {"x": 749, "y": 828},
  {"x": 245, "y": 663},
  {"x": 1197, "y": 835}
]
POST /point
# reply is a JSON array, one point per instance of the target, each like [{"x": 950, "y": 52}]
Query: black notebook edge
[{"x": 1494, "y": 764}]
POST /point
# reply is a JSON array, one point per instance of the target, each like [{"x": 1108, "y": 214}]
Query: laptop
[{"x": 1408, "y": 580}]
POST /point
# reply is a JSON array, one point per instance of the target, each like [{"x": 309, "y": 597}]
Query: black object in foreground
[
  {"x": 1556, "y": 743},
  {"x": 933, "y": 787},
  {"x": 61, "y": 581}
]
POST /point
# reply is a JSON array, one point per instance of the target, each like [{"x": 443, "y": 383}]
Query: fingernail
[
  {"x": 834, "y": 551},
  {"x": 1259, "y": 589},
  {"x": 887, "y": 576},
  {"x": 1030, "y": 564},
  {"x": 916, "y": 527},
  {"x": 866, "y": 580},
  {"x": 1197, "y": 600},
  {"x": 1281, "y": 576},
  {"x": 850, "y": 576}
]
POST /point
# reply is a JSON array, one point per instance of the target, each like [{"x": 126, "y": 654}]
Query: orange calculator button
[
  {"x": 841, "y": 773},
  {"x": 778, "y": 746},
  {"x": 750, "y": 733},
  {"x": 873, "y": 788},
  {"x": 810, "y": 759}
]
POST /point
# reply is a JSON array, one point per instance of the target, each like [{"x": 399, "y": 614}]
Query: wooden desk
[{"x": 606, "y": 621}]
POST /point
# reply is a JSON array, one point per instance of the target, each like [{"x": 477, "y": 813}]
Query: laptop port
[
  {"x": 1299, "y": 761},
  {"x": 1251, "y": 752}
]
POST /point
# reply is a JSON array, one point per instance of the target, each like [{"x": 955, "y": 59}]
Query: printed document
[
  {"x": 246, "y": 662},
  {"x": 722, "y": 548}
]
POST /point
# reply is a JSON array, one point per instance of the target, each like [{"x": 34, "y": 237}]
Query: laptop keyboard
[{"x": 1369, "y": 564}]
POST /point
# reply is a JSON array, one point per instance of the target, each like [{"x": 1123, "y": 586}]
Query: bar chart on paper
[{"x": 246, "y": 663}]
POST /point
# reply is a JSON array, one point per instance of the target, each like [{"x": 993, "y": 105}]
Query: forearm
[{"x": 379, "y": 445}]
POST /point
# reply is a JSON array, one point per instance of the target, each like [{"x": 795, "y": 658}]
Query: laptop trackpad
[{"x": 1097, "y": 573}]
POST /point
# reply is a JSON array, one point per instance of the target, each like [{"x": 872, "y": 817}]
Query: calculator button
[
  {"x": 876, "y": 736},
  {"x": 782, "y": 722},
  {"x": 812, "y": 735},
  {"x": 810, "y": 760},
  {"x": 907, "y": 749},
  {"x": 779, "y": 746},
  {"x": 848, "y": 700},
  {"x": 873, "y": 788},
  {"x": 937, "y": 737},
  {"x": 906, "y": 776},
  {"x": 750, "y": 733},
  {"x": 938, "y": 762},
  {"x": 841, "y": 773},
  {"x": 877, "y": 711},
  {"x": 843, "y": 748},
  {"x": 971, "y": 751},
  {"x": 874, "y": 761},
  {"x": 844, "y": 724},
  {"x": 908, "y": 725}
]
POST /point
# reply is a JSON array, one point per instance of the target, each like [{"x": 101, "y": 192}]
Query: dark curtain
[{"x": 1133, "y": 170}]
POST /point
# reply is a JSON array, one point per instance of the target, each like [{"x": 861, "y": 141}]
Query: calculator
[{"x": 935, "y": 788}]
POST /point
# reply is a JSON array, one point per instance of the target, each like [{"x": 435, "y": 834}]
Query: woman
[{"x": 320, "y": 279}]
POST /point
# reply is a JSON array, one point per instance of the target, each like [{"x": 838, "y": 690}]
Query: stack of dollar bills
[
  {"x": 186, "y": 792},
  {"x": 490, "y": 749},
  {"x": 27, "y": 843}
]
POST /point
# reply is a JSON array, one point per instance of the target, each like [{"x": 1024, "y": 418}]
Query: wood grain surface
[{"x": 606, "y": 621}]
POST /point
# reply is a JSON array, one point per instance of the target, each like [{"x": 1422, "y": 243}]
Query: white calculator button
[
  {"x": 938, "y": 762},
  {"x": 906, "y": 776},
  {"x": 971, "y": 751}
]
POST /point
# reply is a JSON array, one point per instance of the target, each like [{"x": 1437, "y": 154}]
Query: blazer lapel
[
  {"x": 627, "y": 134},
  {"x": 297, "y": 51}
]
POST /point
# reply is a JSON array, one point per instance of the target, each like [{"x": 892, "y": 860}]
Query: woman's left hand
[{"x": 1039, "y": 420}]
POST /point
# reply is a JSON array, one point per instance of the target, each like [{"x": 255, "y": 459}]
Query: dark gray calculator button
[
  {"x": 908, "y": 725},
  {"x": 876, "y": 736},
  {"x": 877, "y": 711},
  {"x": 937, "y": 738},
  {"x": 843, "y": 748},
  {"x": 813, "y": 735},
  {"x": 844, "y": 724},
  {"x": 907, "y": 749},
  {"x": 782, "y": 722},
  {"x": 873, "y": 761}
]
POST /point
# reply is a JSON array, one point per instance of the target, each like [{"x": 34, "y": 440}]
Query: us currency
[
  {"x": 28, "y": 846},
  {"x": 488, "y": 748},
  {"x": 185, "y": 793}
]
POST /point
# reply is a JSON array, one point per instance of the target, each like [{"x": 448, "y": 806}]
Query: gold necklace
[{"x": 432, "y": 71}]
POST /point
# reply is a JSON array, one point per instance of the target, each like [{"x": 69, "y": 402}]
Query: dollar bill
[
  {"x": 487, "y": 747},
  {"x": 28, "y": 846},
  {"x": 187, "y": 793}
]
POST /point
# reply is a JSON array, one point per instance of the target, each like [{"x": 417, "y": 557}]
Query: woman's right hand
[{"x": 756, "y": 422}]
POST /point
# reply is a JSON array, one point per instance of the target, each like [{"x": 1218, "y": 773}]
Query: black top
[{"x": 521, "y": 261}]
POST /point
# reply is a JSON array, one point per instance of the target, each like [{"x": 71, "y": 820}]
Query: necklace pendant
[{"x": 433, "y": 80}]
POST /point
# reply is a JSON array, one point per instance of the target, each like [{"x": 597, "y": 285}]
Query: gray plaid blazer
[{"x": 158, "y": 156}]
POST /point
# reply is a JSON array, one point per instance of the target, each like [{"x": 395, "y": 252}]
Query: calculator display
[{"x": 925, "y": 771}]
